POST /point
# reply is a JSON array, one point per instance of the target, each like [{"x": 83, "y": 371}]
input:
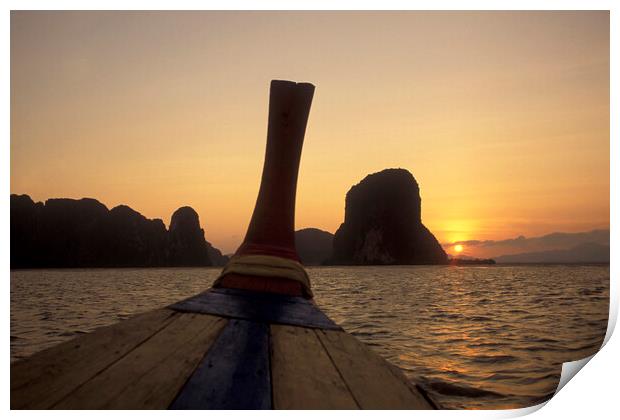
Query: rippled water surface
[{"x": 474, "y": 337}]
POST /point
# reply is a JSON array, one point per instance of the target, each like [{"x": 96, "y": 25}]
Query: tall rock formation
[
  {"x": 383, "y": 224},
  {"x": 187, "y": 240},
  {"x": 84, "y": 233}
]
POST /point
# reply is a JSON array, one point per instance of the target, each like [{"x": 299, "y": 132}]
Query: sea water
[{"x": 473, "y": 337}]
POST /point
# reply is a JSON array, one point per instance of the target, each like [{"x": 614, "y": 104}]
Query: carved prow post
[{"x": 271, "y": 230}]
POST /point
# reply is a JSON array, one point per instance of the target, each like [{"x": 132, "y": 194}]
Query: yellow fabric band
[{"x": 267, "y": 266}]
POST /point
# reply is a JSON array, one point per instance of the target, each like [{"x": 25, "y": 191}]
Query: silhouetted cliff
[
  {"x": 314, "y": 246},
  {"x": 383, "y": 225},
  {"x": 84, "y": 233}
]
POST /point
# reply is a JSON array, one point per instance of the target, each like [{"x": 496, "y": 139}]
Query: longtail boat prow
[{"x": 255, "y": 340}]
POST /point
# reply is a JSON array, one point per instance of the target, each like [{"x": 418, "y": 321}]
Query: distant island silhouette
[
  {"x": 588, "y": 252},
  {"x": 471, "y": 261},
  {"x": 553, "y": 248},
  {"x": 62, "y": 233},
  {"x": 314, "y": 246},
  {"x": 383, "y": 224}
]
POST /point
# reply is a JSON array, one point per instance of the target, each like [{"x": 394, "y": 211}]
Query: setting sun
[{"x": 458, "y": 248}]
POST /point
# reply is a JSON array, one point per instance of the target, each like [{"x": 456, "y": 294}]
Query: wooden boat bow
[{"x": 254, "y": 341}]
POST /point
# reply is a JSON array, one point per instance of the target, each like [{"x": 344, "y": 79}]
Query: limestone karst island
[{"x": 382, "y": 226}]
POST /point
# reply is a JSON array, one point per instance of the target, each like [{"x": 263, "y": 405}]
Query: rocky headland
[{"x": 83, "y": 233}]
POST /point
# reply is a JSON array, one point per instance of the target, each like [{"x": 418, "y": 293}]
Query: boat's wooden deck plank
[
  {"x": 368, "y": 376},
  {"x": 50, "y": 375},
  {"x": 303, "y": 375},
  {"x": 235, "y": 372},
  {"x": 150, "y": 376}
]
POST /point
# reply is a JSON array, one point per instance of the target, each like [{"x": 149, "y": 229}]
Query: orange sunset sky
[{"x": 503, "y": 118}]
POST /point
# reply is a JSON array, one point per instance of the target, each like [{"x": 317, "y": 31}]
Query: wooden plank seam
[
  {"x": 135, "y": 379},
  {"x": 338, "y": 370},
  {"x": 27, "y": 395}
]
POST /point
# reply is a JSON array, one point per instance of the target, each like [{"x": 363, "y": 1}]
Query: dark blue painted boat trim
[
  {"x": 262, "y": 296},
  {"x": 234, "y": 374},
  {"x": 260, "y": 307}
]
